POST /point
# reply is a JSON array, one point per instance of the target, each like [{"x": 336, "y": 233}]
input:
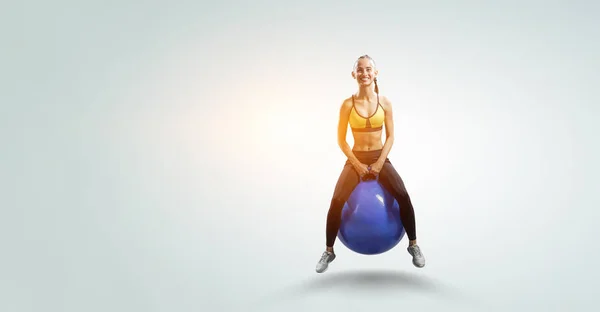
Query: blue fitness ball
[{"x": 371, "y": 220}]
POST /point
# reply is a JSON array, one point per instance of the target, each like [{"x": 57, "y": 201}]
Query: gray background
[{"x": 180, "y": 156}]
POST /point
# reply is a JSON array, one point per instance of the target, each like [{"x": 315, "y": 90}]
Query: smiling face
[{"x": 364, "y": 71}]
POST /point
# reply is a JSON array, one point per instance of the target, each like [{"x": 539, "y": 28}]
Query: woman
[{"x": 368, "y": 156}]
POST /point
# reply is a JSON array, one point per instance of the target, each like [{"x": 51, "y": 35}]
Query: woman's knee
[
  {"x": 398, "y": 191},
  {"x": 335, "y": 209}
]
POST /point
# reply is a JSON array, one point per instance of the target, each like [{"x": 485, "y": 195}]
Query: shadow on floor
[{"x": 363, "y": 283}]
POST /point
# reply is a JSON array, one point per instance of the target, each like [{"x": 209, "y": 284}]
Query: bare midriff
[{"x": 367, "y": 141}]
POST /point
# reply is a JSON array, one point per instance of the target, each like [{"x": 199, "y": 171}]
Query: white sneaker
[
  {"x": 418, "y": 259},
  {"x": 326, "y": 258}
]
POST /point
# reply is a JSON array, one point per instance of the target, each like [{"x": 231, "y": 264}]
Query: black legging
[{"x": 349, "y": 179}]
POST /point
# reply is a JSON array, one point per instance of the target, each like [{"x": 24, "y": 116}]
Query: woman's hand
[
  {"x": 376, "y": 167},
  {"x": 361, "y": 169}
]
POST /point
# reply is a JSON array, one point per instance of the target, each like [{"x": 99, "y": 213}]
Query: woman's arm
[
  {"x": 342, "y": 132},
  {"x": 389, "y": 130}
]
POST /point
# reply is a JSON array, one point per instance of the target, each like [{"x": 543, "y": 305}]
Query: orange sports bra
[{"x": 372, "y": 123}]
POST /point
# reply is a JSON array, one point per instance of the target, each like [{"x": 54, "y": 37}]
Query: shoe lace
[
  {"x": 416, "y": 251},
  {"x": 324, "y": 256}
]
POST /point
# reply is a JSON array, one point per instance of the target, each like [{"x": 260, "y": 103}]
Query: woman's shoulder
[
  {"x": 384, "y": 101},
  {"x": 348, "y": 102}
]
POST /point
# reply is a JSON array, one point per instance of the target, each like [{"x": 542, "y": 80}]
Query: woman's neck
[{"x": 365, "y": 93}]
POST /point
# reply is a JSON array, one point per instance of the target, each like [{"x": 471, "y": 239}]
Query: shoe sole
[{"x": 326, "y": 267}]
